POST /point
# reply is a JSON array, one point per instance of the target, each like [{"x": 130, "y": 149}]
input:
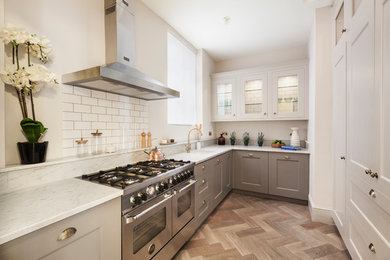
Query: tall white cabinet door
[
  {"x": 288, "y": 94},
  {"x": 253, "y": 96},
  {"x": 339, "y": 133},
  {"x": 383, "y": 80},
  {"x": 363, "y": 105},
  {"x": 224, "y": 99}
]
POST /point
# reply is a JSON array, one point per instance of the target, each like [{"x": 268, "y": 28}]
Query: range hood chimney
[{"x": 119, "y": 74}]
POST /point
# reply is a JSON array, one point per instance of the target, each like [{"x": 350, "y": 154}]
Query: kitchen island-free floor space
[{"x": 247, "y": 227}]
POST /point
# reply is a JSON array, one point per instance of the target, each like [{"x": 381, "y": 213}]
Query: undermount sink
[{"x": 205, "y": 151}]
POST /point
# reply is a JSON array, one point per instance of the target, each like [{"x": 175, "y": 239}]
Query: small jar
[
  {"x": 82, "y": 147},
  {"x": 97, "y": 146}
]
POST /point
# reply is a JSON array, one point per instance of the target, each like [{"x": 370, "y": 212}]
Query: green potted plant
[
  {"x": 232, "y": 138},
  {"x": 245, "y": 138},
  {"x": 260, "y": 139},
  {"x": 277, "y": 144},
  {"x": 26, "y": 81}
]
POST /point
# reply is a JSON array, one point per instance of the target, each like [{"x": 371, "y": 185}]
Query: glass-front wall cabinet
[
  {"x": 224, "y": 99},
  {"x": 266, "y": 94},
  {"x": 288, "y": 96},
  {"x": 253, "y": 96}
]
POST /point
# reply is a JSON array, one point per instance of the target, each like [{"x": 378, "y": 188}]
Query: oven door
[
  {"x": 183, "y": 205},
  {"x": 146, "y": 230}
]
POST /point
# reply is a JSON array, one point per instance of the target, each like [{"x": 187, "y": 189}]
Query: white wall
[
  {"x": 2, "y": 100},
  {"x": 271, "y": 129},
  {"x": 266, "y": 58},
  {"x": 320, "y": 127},
  {"x": 76, "y": 33},
  {"x": 151, "y": 58}
]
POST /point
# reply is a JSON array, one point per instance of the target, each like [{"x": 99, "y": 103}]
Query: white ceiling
[{"x": 255, "y": 25}]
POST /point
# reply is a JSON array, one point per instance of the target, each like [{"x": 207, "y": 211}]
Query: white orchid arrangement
[{"x": 30, "y": 79}]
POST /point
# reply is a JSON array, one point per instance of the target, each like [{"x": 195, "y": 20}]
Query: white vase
[{"x": 295, "y": 141}]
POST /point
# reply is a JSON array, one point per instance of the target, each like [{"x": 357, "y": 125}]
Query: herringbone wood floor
[{"x": 246, "y": 227}]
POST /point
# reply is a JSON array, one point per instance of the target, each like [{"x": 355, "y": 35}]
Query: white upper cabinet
[
  {"x": 275, "y": 93},
  {"x": 224, "y": 98},
  {"x": 288, "y": 90},
  {"x": 253, "y": 96}
]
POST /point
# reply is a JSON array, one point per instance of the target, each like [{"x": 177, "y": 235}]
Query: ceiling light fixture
[{"x": 226, "y": 19}]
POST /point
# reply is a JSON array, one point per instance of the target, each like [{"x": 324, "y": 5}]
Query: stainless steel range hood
[{"x": 119, "y": 75}]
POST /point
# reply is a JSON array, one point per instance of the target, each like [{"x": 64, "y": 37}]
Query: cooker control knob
[
  {"x": 158, "y": 189},
  {"x": 165, "y": 185},
  {"x": 183, "y": 176},
  {"x": 142, "y": 196},
  {"x": 175, "y": 180},
  {"x": 170, "y": 180},
  {"x": 132, "y": 200},
  {"x": 135, "y": 200},
  {"x": 150, "y": 190}
]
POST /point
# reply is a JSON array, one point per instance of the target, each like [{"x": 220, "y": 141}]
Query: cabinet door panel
[
  {"x": 289, "y": 175},
  {"x": 253, "y": 96},
  {"x": 217, "y": 182},
  {"x": 227, "y": 172},
  {"x": 288, "y": 94},
  {"x": 363, "y": 95},
  {"x": 339, "y": 133},
  {"x": 224, "y": 99},
  {"x": 251, "y": 171}
]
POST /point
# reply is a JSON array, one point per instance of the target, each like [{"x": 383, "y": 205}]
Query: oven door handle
[
  {"x": 130, "y": 219},
  {"x": 191, "y": 182}
]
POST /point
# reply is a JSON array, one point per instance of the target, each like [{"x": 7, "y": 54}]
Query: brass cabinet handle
[
  {"x": 218, "y": 160},
  {"x": 203, "y": 202},
  {"x": 286, "y": 157},
  {"x": 342, "y": 157},
  {"x": 274, "y": 113},
  {"x": 250, "y": 154},
  {"x": 343, "y": 30},
  {"x": 234, "y": 114},
  {"x": 372, "y": 193},
  {"x": 203, "y": 167},
  {"x": 374, "y": 175},
  {"x": 67, "y": 233},
  {"x": 265, "y": 113},
  {"x": 203, "y": 181},
  {"x": 372, "y": 248}
]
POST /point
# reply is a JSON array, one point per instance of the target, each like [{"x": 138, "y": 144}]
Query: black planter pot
[
  {"x": 260, "y": 143},
  {"x": 32, "y": 152}
]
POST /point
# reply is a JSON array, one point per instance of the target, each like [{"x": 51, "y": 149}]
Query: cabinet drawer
[
  {"x": 97, "y": 229},
  {"x": 203, "y": 209},
  {"x": 202, "y": 185},
  {"x": 372, "y": 204},
  {"x": 203, "y": 167},
  {"x": 366, "y": 242}
]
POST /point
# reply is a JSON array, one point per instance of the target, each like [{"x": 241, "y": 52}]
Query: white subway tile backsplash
[
  {"x": 112, "y": 111},
  {"x": 89, "y": 117},
  {"x": 82, "y": 125},
  {"x": 71, "y": 133},
  {"x": 66, "y": 125},
  {"x": 99, "y": 125},
  {"x": 104, "y": 103},
  {"x": 104, "y": 118},
  {"x": 67, "y": 89},
  {"x": 120, "y": 119},
  {"x": 118, "y": 104},
  {"x": 70, "y": 98},
  {"x": 71, "y": 116},
  {"x": 67, "y": 107},
  {"x": 112, "y": 96},
  {"x": 99, "y": 110},
  {"x": 82, "y": 91},
  {"x": 98, "y": 94},
  {"x": 82, "y": 108},
  {"x": 89, "y": 101}
]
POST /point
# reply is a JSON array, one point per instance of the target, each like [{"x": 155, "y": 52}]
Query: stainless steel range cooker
[{"x": 157, "y": 206}]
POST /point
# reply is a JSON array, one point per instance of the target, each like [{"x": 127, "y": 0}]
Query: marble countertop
[
  {"x": 30, "y": 209},
  {"x": 208, "y": 152}
]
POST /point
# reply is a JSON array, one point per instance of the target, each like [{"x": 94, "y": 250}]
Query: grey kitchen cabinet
[
  {"x": 97, "y": 236},
  {"x": 214, "y": 179},
  {"x": 289, "y": 175},
  {"x": 251, "y": 171}
]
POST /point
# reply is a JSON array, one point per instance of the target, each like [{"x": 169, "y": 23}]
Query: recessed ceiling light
[{"x": 226, "y": 19}]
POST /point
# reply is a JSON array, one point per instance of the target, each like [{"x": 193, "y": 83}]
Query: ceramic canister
[{"x": 295, "y": 141}]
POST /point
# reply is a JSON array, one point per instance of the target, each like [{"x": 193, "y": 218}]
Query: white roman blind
[{"x": 181, "y": 77}]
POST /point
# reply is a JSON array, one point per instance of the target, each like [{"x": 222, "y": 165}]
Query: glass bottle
[{"x": 97, "y": 146}]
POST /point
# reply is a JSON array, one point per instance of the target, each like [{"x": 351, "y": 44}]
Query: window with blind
[{"x": 181, "y": 77}]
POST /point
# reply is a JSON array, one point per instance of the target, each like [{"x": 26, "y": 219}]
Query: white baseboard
[{"x": 319, "y": 214}]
